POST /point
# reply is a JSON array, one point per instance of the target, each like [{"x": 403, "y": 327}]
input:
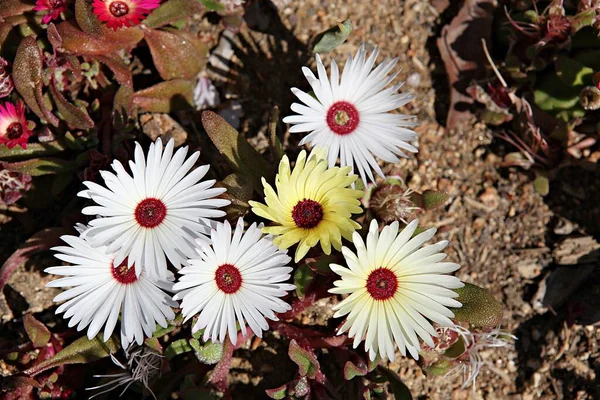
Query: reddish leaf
[
  {"x": 27, "y": 76},
  {"x": 176, "y": 54},
  {"x": 37, "y": 332},
  {"x": 18, "y": 387},
  {"x": 54, "y": 37},
  {"x": 219, "y": 374},
  {"x": 165, "y": 97},
  {"x": 41, "y": 241},
  {"x": 72, "y": 115},
  {"x": 86, "y": 19},
  {"x": 461, "y": 50},
  {"x": 118, "y": 67},
  {"x": 122, "y": 106},
  {"x": 78, "y": 42},
  {"x": 15, "y": 7}
]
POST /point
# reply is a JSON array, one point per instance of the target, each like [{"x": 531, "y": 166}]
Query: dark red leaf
[
  {"x": 461, "y": 50},
  {"x": 176, "y": 54},
  {"x": 41, "y": 241},
  {"x": 27, "y": 76},
  {"x": 74, "y": 116}
]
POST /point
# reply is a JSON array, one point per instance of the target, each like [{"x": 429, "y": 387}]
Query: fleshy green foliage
[
  {"x": 306, "y": 360},
  {"x": 326, "y": 41},
  {"x": 81, "y": 351},
  {"x": 207, "y": 353},
  {"x": 37, "y": 332},
  {"x": 302, "y": 278},
  {"x": 236, "y": 150},
  {"x": 479, "y": 307}
]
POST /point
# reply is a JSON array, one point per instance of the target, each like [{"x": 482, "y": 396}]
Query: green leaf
[
  {"x": 479, "y": 308},
  {"x": 457, "y": 349},
  {"x": 160, "y": 331},
  {"x": 239, "y": 192},
  {"x": 541, "y": 185},
  {"x": 238, "y": 153},
  {"x": 351, "y": 370},
  {"x": 398, "y": 388},
  {"x": 170, "y": 12},
  {"x": 176, "y": 54},
  {"x": 332, "y": 37},
  {"x": 37, "y": 332},
  {"x": 278, "y": 393},
  {"x": 166, "y": 97},
  {"x": 439, "y": 368},
  {"x": 553, "y": 95},
  {"x": 81, "y": 351},
  {"x": 276, "y": 146},
  {"x": 40, "y": 166},
  {"x": 302, "y": 278},
  {"x": 177, "y": 347},
  {"x": 371, "y": 365},
  {"x": 573, "y": 73},
  {"x": 209, "y": 353},
  {"x": 320, "y": 264},
  {"x": 432, "y": 199},
  {"x": 212, "y": 5},
  {"x": 306, "y": 361}
]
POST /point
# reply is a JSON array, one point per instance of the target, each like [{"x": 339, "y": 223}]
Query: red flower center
[
  {"x": 382, "y": 284},
  {"x": 307, "y": 214},
  {"x": 342, "y": 118},
  {"x": 14, "y": 130},
  {"x": 56, "y": 3},
  {"x": 228, "y": 278},
  {"x": 123, "y": 273},
  {"x": 150, "y": 212},
  {"x": 118, "y": 9}
]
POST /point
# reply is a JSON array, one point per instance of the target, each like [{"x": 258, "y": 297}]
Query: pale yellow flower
[{"x": 313, "y": 203}]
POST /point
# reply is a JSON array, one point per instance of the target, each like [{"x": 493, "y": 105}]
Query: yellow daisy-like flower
[{"x": 312, "y": 204}]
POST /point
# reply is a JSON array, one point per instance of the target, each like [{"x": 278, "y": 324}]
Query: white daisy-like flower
[
  {"x": 236, "y": 280},
  {"x": 395, "y": 287},
  {"x": 100, "y": 290},
  {"x": 350, "y": 117},
  {"x": 158, "y": 211}
]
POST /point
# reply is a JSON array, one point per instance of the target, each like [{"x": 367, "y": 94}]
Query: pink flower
[
  {"x": 119, "y": 13},
  {"x": 55, "y": 7},
  {"x": 13, "y": 125}
]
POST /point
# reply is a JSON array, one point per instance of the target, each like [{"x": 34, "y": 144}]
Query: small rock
[
  {"x": 529, "y": 269},
  {"x": 414, "y": 80},
  {"x": 155, "y": 125}
]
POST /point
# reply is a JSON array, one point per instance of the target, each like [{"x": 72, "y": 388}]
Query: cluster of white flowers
[{"x": 165, "y": 213}]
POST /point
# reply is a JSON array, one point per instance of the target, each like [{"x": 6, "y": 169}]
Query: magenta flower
[
  {"x": 54, "y": 8},
  {"x": 120, "y": 13},
  {"x": 13, "y": 125}
]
